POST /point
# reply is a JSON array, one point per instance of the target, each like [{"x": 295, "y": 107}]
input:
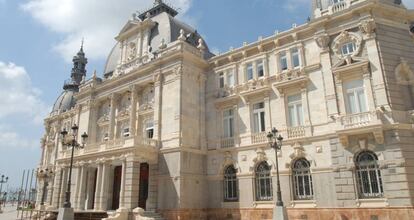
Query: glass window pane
[
  {"x": 361, "y": 100},
  {"x": 230, "y": 79},
  {"x": 221, "y": 80},
  {"x": 262, "y": 122},
  {"x": 351, "y": 103},
  {"x": 295, "y": 57},
  {"x": 300, "y": 114},
  {"x": 256, "y": 123},
  {"x": 260, "y": 69},
  {"x": 292, "y": 116},
  {"x": 283, "y": 61},
  {"x": 249, "y": 71}
]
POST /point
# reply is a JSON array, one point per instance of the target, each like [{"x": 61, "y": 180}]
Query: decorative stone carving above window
[
  {"x": 103, "y": 119},
  {"x": 291, "y": 78},
  {"x": 403, "y": 73},
  {"x": 344, "y": 38},
  {"x": 368, "y": 27},
  {"x": 132, "y": 51},
  {"x": 322, "y": 41},
  {"x": 298, "y": 151}
]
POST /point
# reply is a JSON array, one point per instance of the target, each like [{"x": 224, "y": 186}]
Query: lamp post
[
  {"x": 66, "y": 213},
  {"x": 3, "y": 180},
  {"x": 275, "y": 142}
]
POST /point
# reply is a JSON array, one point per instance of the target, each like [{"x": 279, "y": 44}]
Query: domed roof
[
  {"x": 65, "y": 102},
  {"x": 167, "y": 29}
]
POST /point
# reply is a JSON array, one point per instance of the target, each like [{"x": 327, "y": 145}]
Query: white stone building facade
[{"x": 178, "y": 131}]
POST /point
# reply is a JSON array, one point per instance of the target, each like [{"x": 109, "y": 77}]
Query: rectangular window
[
  {"x": 260, "y": 69},
  {"x": 259, "y": 118},
  {"x": 149, "y": 129},
  {"x": 249, "y": 71},
  {"x": 228, "y": 123},
  {"x": 355, "y": 97},
  {"x": 295, "y": 58},
  {"x": 221, "y": 80},
  {"x": 295, "y": 110},
  {"x": 348, "y": 48},
  {"x": 126, "y": 132},
  {"x": 230, "y": 78},
  {"x": 283, "y": 61}
]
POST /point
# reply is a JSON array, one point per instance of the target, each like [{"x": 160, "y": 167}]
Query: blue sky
[{"x": 39, "y": 37}]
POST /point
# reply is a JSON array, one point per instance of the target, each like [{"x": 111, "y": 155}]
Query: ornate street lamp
[
  {"x": 275, "y": 141},
  {"x": 3, "y": 180},
  {"x": 70, "y": 141}
]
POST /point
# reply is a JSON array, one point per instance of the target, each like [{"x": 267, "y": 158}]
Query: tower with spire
[{"x": 78, "y": 70}]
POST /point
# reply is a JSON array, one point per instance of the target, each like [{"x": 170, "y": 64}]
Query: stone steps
[{"x": 151, "y": 215}]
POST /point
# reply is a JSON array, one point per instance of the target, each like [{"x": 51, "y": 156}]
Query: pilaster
[
  {"x": 131, "y": 190},
  {"x": 103, "y": 203},
  {"x": 133, "y": 113},
  {"x": 112, "y": 124},
  {"x": 56, "y": 188},
  {"x": 98, "y": 187}
]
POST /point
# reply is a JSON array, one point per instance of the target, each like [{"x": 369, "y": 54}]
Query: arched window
[
  {"x": 368, "y": 175},
  {"x": 302, "y": 180},
  {"x": 263, "y": 182},
  {"x": 230, "y": 184}
]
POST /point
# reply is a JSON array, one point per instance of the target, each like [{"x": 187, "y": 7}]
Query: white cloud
[
  {"x": 98, "y": 21},
  {"x": 10, "y": 139},
  {"x": 19, "y": 98}
]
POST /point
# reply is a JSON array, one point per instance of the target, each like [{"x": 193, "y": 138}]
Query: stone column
[
  {"x": 305, "y": 106},
  {"x": 133, "y": 112},
  {"x": 157, "y": 105},
  {"x": 152, "y": 188},
  {"x": 268, "y": 117},
  {"x": 368, "y": 90},
  {"x": 104, "y": 187},
  {"x": 131, "y": 188},
  {"x": 63, "y": 186},
  {"x": 112, "y": 124},
  {"x": 323, "y": 40},
  {"x": 98, "y": 187},
  {"x": 75, "y": 190},
  {"x": 266, "y": 66},
  {"x": 139, "y": 44},
  {"x": 283, "y": 115},
  {"x": 122, "y": 191},
  {"x": 56, "y": 189},
  {"x": 93, "y": 118},
  {"x": 82, "y": 185},
  {"x": 50, "y": 186}
]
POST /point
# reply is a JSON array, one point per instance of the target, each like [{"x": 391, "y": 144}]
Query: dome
[
  {"x": 167, "y": 28},
  {"x": 65, "y": 102}
]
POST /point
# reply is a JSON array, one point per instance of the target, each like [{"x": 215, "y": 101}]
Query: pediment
[
  {"x": 129, "y": 25},
  {"x": 350, "y": 67}
]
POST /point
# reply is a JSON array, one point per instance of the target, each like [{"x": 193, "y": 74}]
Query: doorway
[
  {"x": 143, "y": 185},
  {"x": 116, "y": 190}
]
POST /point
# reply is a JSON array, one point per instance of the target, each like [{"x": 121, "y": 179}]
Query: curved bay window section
[
  {"x": 302, "y": 180},
  {"x": 263, "y": 182},
  {"x": 231, "y": 188},
  {"x": 368, "y": 176}
]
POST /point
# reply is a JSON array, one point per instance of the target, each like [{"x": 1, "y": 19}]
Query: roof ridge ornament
[{"x": 157, "y": 2}]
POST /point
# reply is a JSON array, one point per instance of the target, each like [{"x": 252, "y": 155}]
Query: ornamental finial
[{"x": 157, "y": 2}]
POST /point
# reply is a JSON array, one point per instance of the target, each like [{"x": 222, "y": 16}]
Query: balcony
[
  {"x": 227, "y": 143},
  {"x": 296, "y": 132},
  {"x": 258, "y": 138},
  {"x": 360, "y": 123},
  {"x": 359, "y": 120},
  {"x": 143, "y": 144},
  {"x": 291, "y": 78}
]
